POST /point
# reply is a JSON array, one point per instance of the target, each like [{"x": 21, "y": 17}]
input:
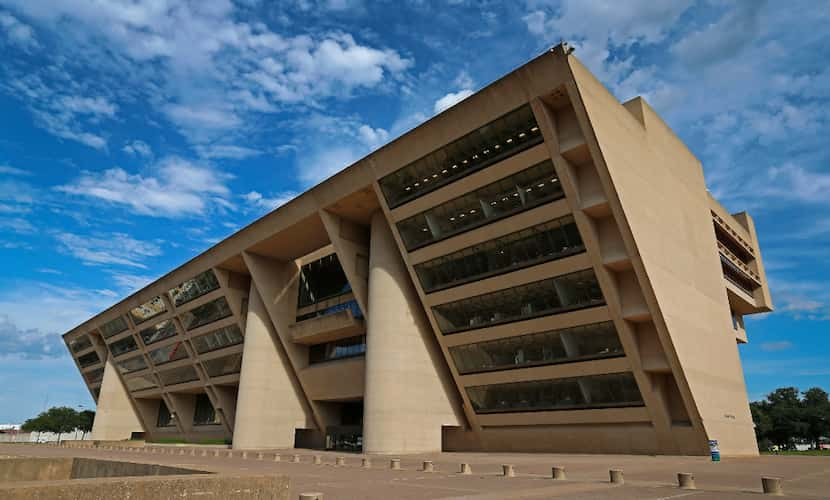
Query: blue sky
[{"x": 136, "y": 134}]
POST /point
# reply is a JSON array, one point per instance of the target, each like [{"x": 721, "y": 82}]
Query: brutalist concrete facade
[{"x": 538, "y": 268}]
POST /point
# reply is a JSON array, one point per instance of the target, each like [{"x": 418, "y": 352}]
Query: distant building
[{"x": 538, "y": 268}]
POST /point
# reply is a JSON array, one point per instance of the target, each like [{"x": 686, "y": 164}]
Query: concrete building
[{"x": 538, "y": 268}]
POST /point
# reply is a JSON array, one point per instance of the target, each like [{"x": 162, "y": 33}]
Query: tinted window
[
  {"x": 147, "y": 310},
  {"x": 160, "y": 331},
  {"x": 321, "y": 279},
  {"x": 89, "y": 359},
  {"x": 193, "y": 288},
  {"x": 224, "y": 366},
  {"x": 217, "y": 339},
  {"x": 168, "y": 353},
  {"x": 124, "y": 345},
  {"x": 133, "y": 364},
  {"x": 206, "y": 313},
  {"x": 113, "y": 327}
]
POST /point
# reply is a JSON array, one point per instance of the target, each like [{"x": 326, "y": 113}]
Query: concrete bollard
[
  {"x": 216, "y": 453},
  {"x": 429, "y": 466},
  {"x": 686, "y": 481},
  {"x": 311, "y": 496},
  {"x": 340, "y": 461},
  {"x": 318, "y": 460},
  {"x": 466, "y": 469},
  {"x": 260, "y": 456},
  {"x": 229, "y": 454},
  {"x": 772, "y": 486},
  {"x": 616, "y": 476},
  {"x": 276, "y": 457},
  {"x": 507, "y": 470},
  {"x": 193, "y": 452},
  {"x": 295, "y": 459},
  {"x": 557, "y": 472},
  {"x": 366, "y": 463},
  {"x": 395, "y": 464},
  {"x": 181, "y": 452},
  {"x": 244, "y": 455},
  {"x": 204, "y": 453}
]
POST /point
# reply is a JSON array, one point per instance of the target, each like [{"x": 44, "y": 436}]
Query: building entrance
[{"x": 348, "y": 435}]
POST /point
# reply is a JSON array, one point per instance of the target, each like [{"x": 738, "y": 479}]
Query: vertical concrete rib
[
  {"x": 115, "y": 417},
  {"x": 408, "y": 396},
  {"x": 270, "y": 404},
  {"x": 351, "y": 245}
]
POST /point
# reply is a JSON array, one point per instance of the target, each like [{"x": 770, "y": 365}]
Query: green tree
[
  {"x": 58, "y": 419},
  {"x": 816, "y": 414},
  {"x": 85, "y": 420}
]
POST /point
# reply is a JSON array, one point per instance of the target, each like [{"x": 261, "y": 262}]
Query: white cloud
[
  {"x": 130, "y": 283},
  {"x": 174, "y": 187},
  {"x": 7, "y": 170},
  {"x": 256, "y": 200},
  {"x": 226, "y": 151},
  {"x": 16, "y": 225},
  {"x": 451, "y": 99},
  {"x": 88, "y": 105},
  {"x": 323, "y": 163},
  {"x": 110, "y": 249},
  {"x": 138, "y": 148},
  {"x": 18, "y": 32},
  {"x": 373, "y": 137},
  {"x": 776, "y": 346}
]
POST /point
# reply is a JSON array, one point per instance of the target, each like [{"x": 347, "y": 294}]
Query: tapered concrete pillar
[
  {"x": 269, "y": 406},
  {"x": 115, "y": 417},
  {"x": 408, "y": 394}
]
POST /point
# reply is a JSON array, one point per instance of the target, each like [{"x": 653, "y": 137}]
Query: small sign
[{"x": 714, "y": 450}]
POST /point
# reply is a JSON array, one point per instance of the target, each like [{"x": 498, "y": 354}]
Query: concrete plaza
[{"x": 646, "y": 477}]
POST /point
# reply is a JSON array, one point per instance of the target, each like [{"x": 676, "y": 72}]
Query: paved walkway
[{"x": 646, "y": 477}]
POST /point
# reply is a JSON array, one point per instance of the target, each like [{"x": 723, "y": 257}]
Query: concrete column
[
  {"x": 269, "y": 406},
  {"x": 115, "y": 417},
  {"x": 409, "y": 396}
]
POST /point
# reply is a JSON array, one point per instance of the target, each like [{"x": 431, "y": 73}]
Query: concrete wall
[{"x": 115, "y": 418}]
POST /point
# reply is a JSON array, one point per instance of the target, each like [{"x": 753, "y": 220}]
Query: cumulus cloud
[
  {"x": 17, "y": 32},
  {"x": 256, "y": 200},
  {"x": 138, "y": 148},
  {"x": 173, "y": 187},
  {"x": 451, "y": 99},
  {"x": 108, "y": 249},
  {"x": 29, "y": 343}
]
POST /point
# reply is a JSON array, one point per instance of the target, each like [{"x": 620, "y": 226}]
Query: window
[
  {"x": 178, "y": 375},
  {"x": 147, "y": 310},
  {"x": 499, "y": 139},
  {"x": 580, "y": 343},
  {"x": 113, "y": 327},
  {"x": 89, "y": 359},
  {"x": 350, "y": 305},
  {"x": 217, "y": 339},
  {"x": 80, "y": 343},
  {"x": 204, "y": 413},
  {"x": 574, "y": 393},
  {"x": 227, "y": 365},
  {"x": 320, "y": 280},
  {"x": 736, "y": 276},
  {"x": 158, "y": 332},
  {"x": 123, "y": 346},
  {"x": 516, "y": 193},
  {"x": 338, "y": 349},
  {"x": 168, "y": 353},
  {"x": 551, "y": 296},
  {"x": 194, "y": 288},
  {"x": 94, "y": 376},
  {"x": 548, "y": 241},
  {"x": 133, "y": 364},
  {"x": 206, "y": 313},
  {"x": 140, "y": 382},
  {"x": 165, "y": 418}
]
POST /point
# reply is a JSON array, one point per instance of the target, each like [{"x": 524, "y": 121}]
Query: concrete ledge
[{"x": 154, "y": 488}]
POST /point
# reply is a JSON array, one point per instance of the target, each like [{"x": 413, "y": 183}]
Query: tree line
[
  {"x": 60, "y": 420},
  {"x": 788, "y": 416}
]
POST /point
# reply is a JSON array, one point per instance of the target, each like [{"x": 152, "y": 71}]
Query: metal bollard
[
  {"x": 686, "y": 481},
  {"x": 340, "y": 461},
  {"x": 557, "y": 472},
  {"x": 295, "y": 459},
  {"x": 366, "y": 463},
  {"x": 772, "y": 486},
  {"x": 466, "y": 469},
  {"x": 616, "y": 476},
  {"x": 318, "y": 460},
  {"x": 429, "y": 466},
  {"x": 507, "y": 470},
  {"x": 311, "y": 496},
  {"x": 395, "y": 464}
]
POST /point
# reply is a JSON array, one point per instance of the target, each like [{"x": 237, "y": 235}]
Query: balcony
[{"x": 738, "y": 264}]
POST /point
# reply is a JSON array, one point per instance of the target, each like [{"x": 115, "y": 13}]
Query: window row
[
  {"x": 193, "y": 288},
  {"x": 573, "y": 393},
  {"x": 499, "y": 139},
  {"x": 130, "y": 365},
  {"x": 206, "y": 313},
  {"x": 338, "y": 349},
  {"x": 89, "y": 359},
  {"x": 217, "y": 339},
  {"x": 80, "y": 343},
  {"x": 581, "y": 343},
  {"x": 513, "y": 194},
  {"x": 350, "y": 305},
  {"x": 541, "y": 298},
  {"x": 551, "y": 240},
  {"x": 178, "y": 375},
  {"x": 320, "y": 280}
]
